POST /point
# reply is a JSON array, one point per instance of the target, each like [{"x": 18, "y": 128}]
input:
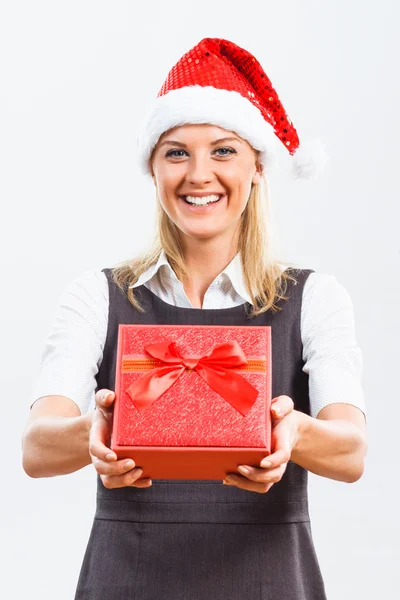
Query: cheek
[
  {"x": 168, "y": 180},
  {"x": 166, "y": 192},
  {"x": 239, "y": 188},
  {"x": 236, "y": 175}
]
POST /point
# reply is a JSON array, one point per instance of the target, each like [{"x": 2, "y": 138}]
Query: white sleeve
[
  {"x": 333, "y": 359},
  {"x": 73, "y": 349}
]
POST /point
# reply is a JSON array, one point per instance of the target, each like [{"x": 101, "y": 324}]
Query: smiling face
[{"x": 197, "y": 164}]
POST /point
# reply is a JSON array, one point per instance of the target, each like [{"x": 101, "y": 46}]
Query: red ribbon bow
[{"x": 214, "y": 367}]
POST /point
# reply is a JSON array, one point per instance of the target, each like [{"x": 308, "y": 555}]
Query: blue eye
[
  {"x": 230, "y": 151},
  {"x": 171, "y": 153}
]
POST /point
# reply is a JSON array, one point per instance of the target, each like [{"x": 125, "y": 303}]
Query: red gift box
[{"x": 192, "y": 402}]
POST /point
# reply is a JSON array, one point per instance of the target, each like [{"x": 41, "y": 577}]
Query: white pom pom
[{"x": 309, "y": 160}]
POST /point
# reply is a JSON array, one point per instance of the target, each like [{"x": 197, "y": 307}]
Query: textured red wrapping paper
[{"x": 190, "y": 431}]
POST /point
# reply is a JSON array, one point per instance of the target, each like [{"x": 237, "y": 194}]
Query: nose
[{"x": 199, "y": 170}]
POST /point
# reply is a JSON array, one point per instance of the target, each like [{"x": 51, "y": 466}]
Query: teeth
[{"x": 201, "y": 201}]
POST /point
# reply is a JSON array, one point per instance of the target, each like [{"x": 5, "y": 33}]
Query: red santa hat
[{"x": 219, "y": 83}]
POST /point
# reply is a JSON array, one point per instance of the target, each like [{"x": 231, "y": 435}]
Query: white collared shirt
[
  {"x": 228, "y": 288},
  {"x": 73, "y": 349}
]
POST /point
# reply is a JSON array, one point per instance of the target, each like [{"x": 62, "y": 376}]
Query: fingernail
[
  {"x": 243, "y": 470},
  {"x": 265, "y": 463},
  {"x": 110, "y": 456},
  {"x": 129, "y": 464},
  {"x": 277, "y": 410},
  {"x": 230, "y": 479},
  {"x": 107, "y": 395}
]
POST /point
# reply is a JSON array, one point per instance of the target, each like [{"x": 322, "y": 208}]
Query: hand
[
  {"x": 285, "y": 433},
  {"x": 114, "y": 473}
]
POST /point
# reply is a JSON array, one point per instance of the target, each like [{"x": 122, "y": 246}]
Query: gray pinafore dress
[{"x": 202, "y": 540}]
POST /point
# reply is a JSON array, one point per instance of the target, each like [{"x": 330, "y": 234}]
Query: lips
[{"x": 202, "y": 194}]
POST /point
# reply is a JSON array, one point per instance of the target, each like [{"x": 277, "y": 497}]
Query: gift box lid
[{"x": 185, "y": 385}]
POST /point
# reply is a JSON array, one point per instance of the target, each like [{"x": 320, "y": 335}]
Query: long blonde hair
[{"x": 263, "y": 276}]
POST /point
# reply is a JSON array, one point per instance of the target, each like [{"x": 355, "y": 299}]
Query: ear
[
  {"x": 257, "y": 175},
  {"x": 152, "y": 174},
  {"x": 259, "y": 169}
]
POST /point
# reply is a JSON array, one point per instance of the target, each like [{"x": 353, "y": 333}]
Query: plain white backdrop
[{"x": 75, "y": 79}]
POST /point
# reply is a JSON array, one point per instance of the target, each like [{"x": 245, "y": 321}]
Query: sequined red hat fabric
[
  {"x": 223, "y": 65},
  {"x": 218, "y": 82}
]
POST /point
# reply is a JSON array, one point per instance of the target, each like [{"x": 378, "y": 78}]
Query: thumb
[
  {"x": 104, "y": 399},
  {"x": 281, "y": 406}
]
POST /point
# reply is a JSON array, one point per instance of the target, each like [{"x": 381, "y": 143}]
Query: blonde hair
[{"x": 263, "y": 276}]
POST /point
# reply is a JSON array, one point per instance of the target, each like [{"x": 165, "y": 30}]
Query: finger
[
  {"x": 264, "y": 475},
  {"x": 104, "y": 399},
  {"x": 128, "y": 479},
  {"x": 118, "y": 467},
  {"x": 280, "y": 456},
  {"x": 246, "y": 484},
  {"x": 281, "y": 453},
  {"x": 281, "y": 406},
  {"x": 142, "y": 483}
]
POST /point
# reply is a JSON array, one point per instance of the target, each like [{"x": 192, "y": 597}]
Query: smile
[{"x": 201, "y": 201}]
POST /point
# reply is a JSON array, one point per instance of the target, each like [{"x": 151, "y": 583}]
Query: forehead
[{"x": 197, "y": 133}]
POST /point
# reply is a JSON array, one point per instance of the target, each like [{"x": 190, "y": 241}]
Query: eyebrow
[{"x": 226, "y": 139}]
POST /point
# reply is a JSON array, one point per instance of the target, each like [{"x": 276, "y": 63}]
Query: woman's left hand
[{"x": 285, "y": 433}]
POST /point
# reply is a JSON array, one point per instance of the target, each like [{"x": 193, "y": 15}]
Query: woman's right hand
[{"x": 114, "y": 473}]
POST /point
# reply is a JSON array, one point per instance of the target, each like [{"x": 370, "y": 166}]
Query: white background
[{"x": 75, "y": 79}]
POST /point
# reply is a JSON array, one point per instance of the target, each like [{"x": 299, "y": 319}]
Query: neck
[{"x": 205, "y": 259}]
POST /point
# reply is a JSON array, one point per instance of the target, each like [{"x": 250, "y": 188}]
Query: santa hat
[{"x": 219, "y": 83}]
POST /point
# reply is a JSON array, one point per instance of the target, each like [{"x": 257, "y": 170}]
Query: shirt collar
[
  {"x": 153, "y": 270},
  {"x": 233, "y": 270}
]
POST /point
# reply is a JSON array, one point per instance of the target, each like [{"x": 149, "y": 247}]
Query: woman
[{"x": 207, "y": 143}]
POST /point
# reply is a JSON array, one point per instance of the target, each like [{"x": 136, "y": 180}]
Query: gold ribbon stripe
[{"x": 146, "y": 364}]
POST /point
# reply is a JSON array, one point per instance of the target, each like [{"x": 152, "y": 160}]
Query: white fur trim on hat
[
  {"x": 206, "y": 104},
  {"x": 309, "y": 160}
]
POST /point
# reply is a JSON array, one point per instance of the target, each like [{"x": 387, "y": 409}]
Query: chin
[{"x": 201, "y": 234}]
